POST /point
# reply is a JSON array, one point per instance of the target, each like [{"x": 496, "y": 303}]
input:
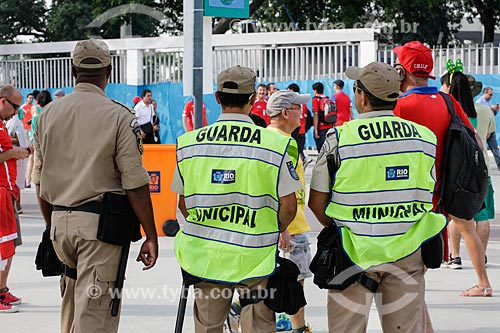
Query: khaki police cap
[
  {"x": 379, "y": 79},
  {"x": 91, "y": 53},
  {"x": 243, "y": 77}
]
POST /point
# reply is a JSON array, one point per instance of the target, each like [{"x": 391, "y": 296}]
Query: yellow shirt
[{"x": 299, "y": 223}]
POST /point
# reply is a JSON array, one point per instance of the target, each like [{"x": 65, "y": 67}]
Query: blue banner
[{"x": 171, "y": 101}]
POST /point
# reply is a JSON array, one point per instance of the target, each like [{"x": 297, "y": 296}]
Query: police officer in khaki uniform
[{"x": 86, "y": 145}]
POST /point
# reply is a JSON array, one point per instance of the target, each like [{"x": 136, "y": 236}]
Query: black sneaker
[{"x": 454, "y": 263}]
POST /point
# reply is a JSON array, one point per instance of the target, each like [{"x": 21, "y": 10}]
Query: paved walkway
[{"x": 151, "y": 297}]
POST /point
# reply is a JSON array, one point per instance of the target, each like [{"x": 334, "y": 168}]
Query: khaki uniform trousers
[
  {"x": 212, "y": 303},
  {"x": 399, "y": 299},
  {"x": 86, "y": 302}
]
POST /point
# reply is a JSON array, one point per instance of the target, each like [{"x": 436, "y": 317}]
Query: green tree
[
  {"x": 21, "y": 17},
  {"x": 70, "y": 19},
  {"x": 67, "y": 20},
  {"x": 276, "y": 15},
  {"x": 489, "y": 14},
  {"x": 143, "y": 25},
  {"x": 429, "y": 21}
]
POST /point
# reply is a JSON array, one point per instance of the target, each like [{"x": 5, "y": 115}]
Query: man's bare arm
[
  {"x": 316, "y": 124},
  {"x": 45, "y": 207},
  {"x": 182, "y": 206},
  {"x": 17, "y": 153},
  {"x": 287, "y": 210},
  {"x": 318, "y": 202},
  {"x": 140, "y": 200}
]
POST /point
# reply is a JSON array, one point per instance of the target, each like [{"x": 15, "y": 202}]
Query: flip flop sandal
[{"x": 486, "y": 292}]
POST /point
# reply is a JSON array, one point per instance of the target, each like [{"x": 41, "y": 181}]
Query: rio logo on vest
[
  {"x": 397, "y": 173},
  {"x": 223, "y": 176}
]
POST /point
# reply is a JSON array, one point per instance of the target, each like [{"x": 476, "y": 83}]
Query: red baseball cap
[
  {"x": 136, "y": 100},
  {"x": 416, "y": 58}
]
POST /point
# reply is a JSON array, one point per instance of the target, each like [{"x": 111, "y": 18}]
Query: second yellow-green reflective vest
[
  {"x": 230, "y": 172},
  {"x": 382, "y": 190}
]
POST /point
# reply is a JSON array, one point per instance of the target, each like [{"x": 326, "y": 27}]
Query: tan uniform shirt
[{"x": 85, "y": 145}]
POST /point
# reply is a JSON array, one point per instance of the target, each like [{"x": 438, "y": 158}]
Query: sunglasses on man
[{"x": 14, "y": 105}]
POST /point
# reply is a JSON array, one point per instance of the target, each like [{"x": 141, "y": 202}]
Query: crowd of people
[{"x": 242, "y": 190}]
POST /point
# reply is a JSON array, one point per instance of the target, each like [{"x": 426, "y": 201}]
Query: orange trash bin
[{"x": 160, "y": 163}]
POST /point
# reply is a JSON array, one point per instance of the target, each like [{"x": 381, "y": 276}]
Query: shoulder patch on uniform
[
  {"x": 134, "y": 123},
  {"x": 292, "y": 171},
  {"x": 125, "y": 106},
  {"x": 138, "y": 136}
]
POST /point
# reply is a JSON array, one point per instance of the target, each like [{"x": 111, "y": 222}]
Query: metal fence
[
  {"x": 280, "y": 63},
  {"x": 476, "y": 59},
  {"x": 163, "y": 66},
  {"x": 285, "y": 61},
  {"x": 51, "y": 72}
]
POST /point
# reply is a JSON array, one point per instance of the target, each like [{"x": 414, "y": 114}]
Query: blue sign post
[{"x": 227, "y": 8}]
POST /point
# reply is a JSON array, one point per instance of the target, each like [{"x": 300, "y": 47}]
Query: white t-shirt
[
  {"x": 15, "y": 126},
  {"x": 144, "y": 113}
]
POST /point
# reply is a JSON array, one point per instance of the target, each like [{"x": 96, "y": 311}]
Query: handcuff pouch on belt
[
  {"x": 118, "y": 224},
  {"x": 46, "y": 258}
]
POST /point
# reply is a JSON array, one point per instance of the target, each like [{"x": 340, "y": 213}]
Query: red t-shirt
[
  {"x": 424, "y": 106},
  {"x": 315, "y": 109},
  {"x": 8, "y": 169},
  {"x": 27, "y": 116},
  {"x": 259, "y": 109},
  {"x": 303, "y": 119},
  {"x": 189, "y": 114},
  {"x": 343, "y": 104}
]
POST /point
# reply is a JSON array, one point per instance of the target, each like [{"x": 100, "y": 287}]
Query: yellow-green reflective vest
[
  {"x": 230, "y": 172},
  {"x": 382, "y": 191}
]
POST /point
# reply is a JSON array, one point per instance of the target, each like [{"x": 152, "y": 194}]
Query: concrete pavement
[{"x": 151, "y": 297}]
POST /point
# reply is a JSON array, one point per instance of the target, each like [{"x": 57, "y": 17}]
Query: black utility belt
[
  {"x": 118, "y": 224},
  {"x": 89, "y": 207}
]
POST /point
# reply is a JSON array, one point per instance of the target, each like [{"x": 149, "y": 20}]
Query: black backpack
[
  {"x": 327, "y": 112},
  {"x": 465, "y": 175}
]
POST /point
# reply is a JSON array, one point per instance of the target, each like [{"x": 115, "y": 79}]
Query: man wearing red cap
[{"x": 422, "y": 104}]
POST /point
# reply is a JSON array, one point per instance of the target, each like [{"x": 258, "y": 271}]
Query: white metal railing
[
  {"x": 286, "y": 63},
  {"x": 275, "y": 56},
  {"x": 51, "y": 72},
  {"x": 280, "y": 63},
  {"x": 163, "y": 66},
  {"x": 476, "y": 59}
]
